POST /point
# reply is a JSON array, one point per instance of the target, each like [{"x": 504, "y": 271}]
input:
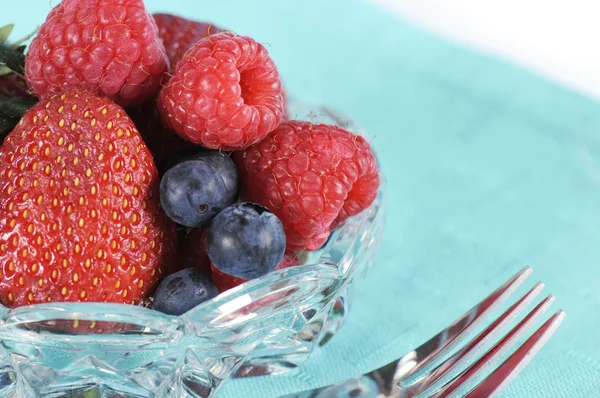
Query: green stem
[
  {"x": 14, "y": 108},
  {"x": 12, "y": 58}
]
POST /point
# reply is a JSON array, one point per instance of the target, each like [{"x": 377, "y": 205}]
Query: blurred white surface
[{"x": 559, "y": 39}]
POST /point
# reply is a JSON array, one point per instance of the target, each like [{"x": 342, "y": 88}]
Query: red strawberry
[
  {"x": 310, "y": 176},
  {"x": 108, "y": 47},
  {"x": 179, "y": 34},
  {"x": 79, "y": 211},
  {"x": 225, "y": 282},
  {"x": 192, "y": 251},
  {"x": 225, "y": 93},
  {"x": 162, "y": 143},
  {"x": 13, "y": 85}
]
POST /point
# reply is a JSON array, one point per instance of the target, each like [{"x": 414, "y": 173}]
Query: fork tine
[
  {"x": 465, "y": 354},
  {"x": 489, "y": 358},
  {"x": 499, "y": 379},
  {"x": 424, "y": 355}
]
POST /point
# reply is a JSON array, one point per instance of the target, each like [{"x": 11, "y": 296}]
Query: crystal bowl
[{"x": 266, "y": 326}]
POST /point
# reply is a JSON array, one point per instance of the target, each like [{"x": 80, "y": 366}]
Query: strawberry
[
  {"x": 79, "y": 212},
  {"x": 108, "y": 47}
]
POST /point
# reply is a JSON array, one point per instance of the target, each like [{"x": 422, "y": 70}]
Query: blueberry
[
  {"x": 225, "y": 166},
  {"x": 218, "y": 159},
  {"x": 245, "y": 240},
  {"x": 183, "y": 290},
  {"x": 195, "y": 190}
]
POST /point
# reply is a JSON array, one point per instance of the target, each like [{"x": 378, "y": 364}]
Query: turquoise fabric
[{"x": 489, "y": 168}]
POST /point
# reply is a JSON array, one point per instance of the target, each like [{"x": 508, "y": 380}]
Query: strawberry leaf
[
  {"x": 21, "y": 42},
  {"x": 12, "y": 59},
  {"x": 5, "y": 32},
  {"x": 14, "y": 108}
]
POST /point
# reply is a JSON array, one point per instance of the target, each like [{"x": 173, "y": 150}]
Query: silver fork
[{"x": 439, "y": 368}]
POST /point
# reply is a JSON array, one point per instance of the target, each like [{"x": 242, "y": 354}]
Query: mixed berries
[{"x": 156, "y": 161}]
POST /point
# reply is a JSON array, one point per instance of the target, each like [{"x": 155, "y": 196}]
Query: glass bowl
[{"x": 266, "y": 326}]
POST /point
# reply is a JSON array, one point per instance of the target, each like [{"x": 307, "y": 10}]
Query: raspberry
[
  {"x": 179, "y": 34},
  {"x": 225, "y": 282},
  {"x": 310, "y": 176},
  {"x": 225, "y": 94},
  {"x": 108, "y": 47}
]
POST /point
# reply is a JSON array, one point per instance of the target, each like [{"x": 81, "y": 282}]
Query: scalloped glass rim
[{"x": 264, "y": 326}]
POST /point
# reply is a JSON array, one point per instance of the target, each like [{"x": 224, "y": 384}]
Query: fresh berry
[
  {"x": 225, "y": 282},
  {"x": 79, "y": 212},
  {"x": 225, "y": 93},
  {"x": 310, "y": 176},
  {"x": 13, "y": 86},
  {"x": 108, "y": 47},
  {"x": 245, "y": 240},
  {"x": 219, "y": 160},
  {"x": 226, "y": 168},
  {"x": 192, "y": 251},
  {"x": 162, "y": 143},
  {"x": 179, "y": 34},
  {"x": 195, "y": 190},
  {"x": 183, "y": 290}
]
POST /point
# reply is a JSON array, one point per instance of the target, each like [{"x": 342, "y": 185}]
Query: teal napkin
[{"x": 489, "y": 168}]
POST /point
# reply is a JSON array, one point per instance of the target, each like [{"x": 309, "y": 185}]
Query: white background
[{"x": 559, "y": 39}]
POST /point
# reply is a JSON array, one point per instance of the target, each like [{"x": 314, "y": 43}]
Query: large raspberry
[
  {"x": 179, "y": 34},
  {"x": 310, "y": 176},
  {"x": 225, "y": 93},
  {"x": 108, "y": 47}
]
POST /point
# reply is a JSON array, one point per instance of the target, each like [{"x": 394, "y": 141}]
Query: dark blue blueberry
[
  {"x": 194, "y": 191},
  {"x": 245, "y": 240},
  {"x": 225, "y": 166},
  {"x": 183, "y": 290},
  {"x": 218, "y": 159}
]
